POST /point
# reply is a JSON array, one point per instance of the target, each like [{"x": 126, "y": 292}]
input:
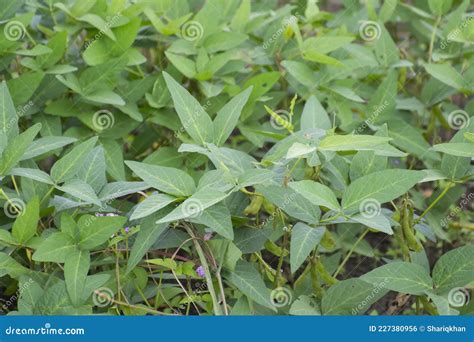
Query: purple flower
[
  {"x": 127, "y": 229},
  {"x": 200, "y": 271}
]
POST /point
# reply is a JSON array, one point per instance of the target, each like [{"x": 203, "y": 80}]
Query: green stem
[
  {"x": 433, "y": 36},
  {"x": 341, "y": 266},
  {"x": 440, "y": 196},
  {"x": 207, "y": 270}
]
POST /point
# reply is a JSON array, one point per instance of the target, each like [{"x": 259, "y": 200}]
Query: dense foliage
[{"x": 236, "y": 157}]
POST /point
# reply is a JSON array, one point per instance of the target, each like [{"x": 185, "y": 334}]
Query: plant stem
[
  {"x": 440, "y": 196},
  {"x": 341, "y": 266},
  {"x": 433, "y": 36},
  {"x": 207, "y": 270}
]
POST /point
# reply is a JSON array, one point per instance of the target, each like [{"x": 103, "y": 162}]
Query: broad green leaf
[
  {"x": 76, "y": 267},
  {"x": 8, "y": 116},
  {"x": 446, "y": 74},
  {"x": 316, "y": 193},
  {"x": 167, "y": 179},
  {"x": 114, "y": 159},
  {"x": 247, "y": 279},
  {"x": 193, "y": 117},
  {"x": 44, "y": 145},
  {"x": 440, "y": 7},
  {"x": 25, "y": 225},
  {"x": 351, "y": 142},
  {"x": 34, "y": 174},
  {"x": 16, "y": 148},
  {"x": 66, "y": 167},
  {"x": 92, "y": 170},
  {"x": 303, "y": 241},
  {"x": 314, "y": 115},
  {"x": 55, "y": 248},
  {"x": 454, "y": 269},
  {"x": 456, "y": 149},
  {"x": 95, "y": 230},
  {"x": 381, "y": 186},
  {"x": 352, "y": 297},
  {"x": 291, "y": 202},
  {"x": 304, "y": 306},
  {"x": 10, "y": 266},
  {"x": 228, "y": 116},
  {"x": 147, "y": 236},
  {"x": 455, "y": 167},
  {"x": 119, "y": 189},
  {"x": 150, "y": 205},
  {"x": 366, "y": 162},
  {"x": 217, "y": 218},
  {"x": 403, "y": 277},
  {"x": 193, "y": 206},
  {"x": 80, "y": 189},
  {"x": 98, "y": 23}
]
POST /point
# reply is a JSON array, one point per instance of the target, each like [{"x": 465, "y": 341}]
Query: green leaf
[
  {"x": 193, "y": 117},
  {"x": 303, "y": 240},
  {"x": 218, "y": 219},
  {"x": 10, "y": 266},
  {"x": 247, "y": 279},
  {"x": 440, "y": 7},
  {"x": 167, "y": 179},
  {"x": 46, "y": 144},
  {"x": 351, "y": 142},
  {"x": 316, "y": 193},
  {"x": 24, "y": 227},
  {"x": 456, "y": 149},
  {"x": 291, "y": 202},
  {"x": 150, "y": 205},
  {"x": 228, "y": 116},
  {"x": 76, "y": 267},
  {"x": 314, "y": 115},
  {"x": 381, "y": 186},
  {"x": 446, "y": 74},
  {"x": 351, "y": 297},
  {"x": 147, "y": 236},
  {"x": 34, "y": 174},
  {"x": 193, "y": 206},
  {"x": 454, "y": 269},
  {"x": 94, "y": 230},
  {"x": 80, "y": 189},
  {"x": 66, "y": 167},
  {"x": 119, "y": 189},
  {"x": 55, "y": 248},
  {"x": 403, "y": 277},
  {"x": 17, "y": 147},
  {"x": 8, "y": 115}
]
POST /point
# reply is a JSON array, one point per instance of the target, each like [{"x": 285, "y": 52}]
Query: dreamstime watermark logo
[
  {"x": 14, "y": 30},
  {"x": 287, "y": 22},
  {"x": 282, "y": 121},
  {"x": 103, "y": 119},
  {"x": 192, "y": 30},
  {"x": 192, "y": 208},
  {"x": 463, "y": 203},
  {"x": 458, "y": 297},
  {"x": 280, "y": 297},
  {"x": 453, "y": 34},
  {"x": 369, "y": 30},
  {"x": 109, "y": 23},
  {"x": 14, "y": 207},
  {"x": 458, "y": 119},
  {"x": 103, "y": 297},
  {"x": 46, "y": 330},
  {"x": 376, "y": 112},
  {"x": 367, "y": 300},
  {"x": 370, "y": 208},
  {"x": 5, "y": 304}
]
